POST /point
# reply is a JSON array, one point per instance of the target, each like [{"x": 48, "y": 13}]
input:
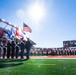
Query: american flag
[{"x": 26, "y": 28}]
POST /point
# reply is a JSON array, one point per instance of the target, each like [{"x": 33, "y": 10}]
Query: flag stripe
[
  {"x": 17, "y": 31},
  {"x": 26, "y": 28}
]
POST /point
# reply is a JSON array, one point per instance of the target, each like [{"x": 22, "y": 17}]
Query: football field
[{"x": 35, "y": 66}]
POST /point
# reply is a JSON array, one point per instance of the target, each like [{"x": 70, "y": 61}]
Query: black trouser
[
  {"x": 17, "y": 52},
  {"x": 8, "y": 53},
  {"x": 12, "y": 55},
  {"x": 4, "y": 52},
  {"x": 22, "y": 52},
  {"x": 27, "y": 53}
]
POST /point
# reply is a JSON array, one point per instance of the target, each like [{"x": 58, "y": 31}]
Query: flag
[
  {"x": 13, "y": 31},
  {"x": 26, "y": 28},
  {"x": 23, "y": 32},
  {"x": 10, "y": 35},
  {"x": 20, "y": 33},
  {"x": 17, "y": 31}
]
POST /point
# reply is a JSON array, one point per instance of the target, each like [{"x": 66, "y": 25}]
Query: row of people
[{"x": 14, "y": 46}]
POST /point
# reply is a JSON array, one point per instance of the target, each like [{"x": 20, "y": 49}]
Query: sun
[{"x": 36, "y": 12}]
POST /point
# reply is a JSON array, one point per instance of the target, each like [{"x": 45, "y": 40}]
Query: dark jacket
[
  {"x": 28, "y": 45},
  {"x": 22, "y": 44}
]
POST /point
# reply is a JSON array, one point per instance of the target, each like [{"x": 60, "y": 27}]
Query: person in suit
[
  {"x": 0, "y": 49},
  {"x": 22, "y": 44},
  {"x": 8, "y": 48},
  {"x": 4, "y": 49},
  {"x": 17, "y": 48},
  {"x": 28, "y": 46},
  {"x": 13, "y": 49}
]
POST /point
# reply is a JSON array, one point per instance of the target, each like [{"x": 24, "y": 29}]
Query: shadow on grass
[
  {"x": 11, "y": 62},
  {"x": 5, "y": 65}
]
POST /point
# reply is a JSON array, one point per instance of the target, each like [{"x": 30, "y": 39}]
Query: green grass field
[{"x": 38, "y": 67}]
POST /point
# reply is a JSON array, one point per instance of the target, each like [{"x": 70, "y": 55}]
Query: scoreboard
[{"x": 71, "y": 43}]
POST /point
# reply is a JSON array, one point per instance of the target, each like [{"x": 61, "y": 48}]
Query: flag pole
[{"x": 5, "y": 26}]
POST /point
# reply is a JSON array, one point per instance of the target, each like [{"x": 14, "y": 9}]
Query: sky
[{"x": 51, "y": 21}]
